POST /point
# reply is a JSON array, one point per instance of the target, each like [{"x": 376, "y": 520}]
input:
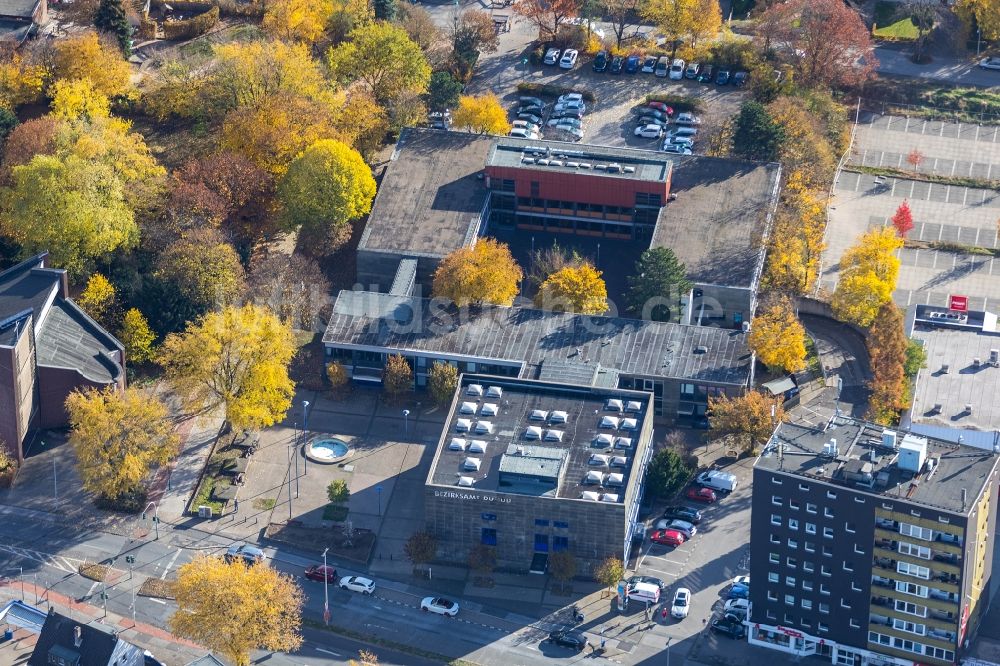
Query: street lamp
[
  {"x": 156, "y": 517},
  {"x": 669, "y": 638},
  {"x": 305, "y": 427},
  {"x": 326, "y": 593},
  {"x": 406, "y": 423}
]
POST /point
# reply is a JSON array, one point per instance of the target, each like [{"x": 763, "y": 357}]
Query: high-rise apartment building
[{"x": 870, "y": 545}]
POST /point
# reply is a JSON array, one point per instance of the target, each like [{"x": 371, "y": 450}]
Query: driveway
[
  {"x": 843, "y": 356},
  {"x": 895, "y": 60}
]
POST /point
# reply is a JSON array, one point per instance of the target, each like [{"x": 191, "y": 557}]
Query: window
[
  {"x": 488, "y": 536},
  {"x": 772, "y": 596},
  {"x": 822, "y": 627},
  {"x": 541, "y": 543},
  {"x": 790, "y": 581},
  {"x": 771, "y": 616},
  {"x": 854, "y": 624},
  {"x": 793, "y": 504},
  {"x": 923, "y": 552},
  {"x": 913, "y": 570},
  {"x": 916, "y": 531},
  {"x": 910, "y": 608},
  {"x": 877, "y": 638},
  {"x": 857, "y": 549},
  {"x": 807, "y": 566},
  {"x": 911, "y": 588},
  {"x": 776, "y": 500},
  {"x": 772, "y": 577},
  {"x": 828, "y": 512},
  {"x": 803, "y": 487},
  {"x": 688, "y": 389},
  {"x": 825, "y": 570},
  {"x": 824, "y": 589},
  {"x": 774, "y": 538},
  {"x": 775, "y": 519},
  {"x": 943, "y": 519},
  {"x": 848, "y": 566},
  {"x": 793, "y": 524},
  {"x": 541, "y": 522},
  {"x": 854, "y": 587},
  {"x": 810, "y": 528},
  {"x": 809, "y": 547},
  {"x": 939, "y": 653},
  {"x": 844, "y": 604},
  {"x": 789, "y": 600},
  {"x": 792, "y": 562},
  {"x": 824, "y": 608},
  {"x": 774, "y": 558},
  {"x": 792, "y": 543},
  {"x": 775, "y": 480},
  {"x": 910, "y": 627},
  {"x": 810, "y": 507},
  {"x": 559, "y": 544},
  {"x": 560, "y": 525},
  {"x": 850, "y": 527},
  {"x": 807, "y": 585},
  {"x": 828, "y": 532},
  {"x": 488, "y": 516},
  {"x": 831, "y": 495},
  {"x": 859, "y": 500}
]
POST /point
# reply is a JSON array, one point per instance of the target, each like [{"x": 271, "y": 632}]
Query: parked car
[
  {"x": 684, "y": 527},
  {"x": 676, "y": 149},
  {"x": 530, "y": 117},
  {"x": 681, "y": 603},
  {"x": 525, "y": 125},
  {"x": 707, "y": 73},
  {"x": 649, "y": 65},
  {"x": 521, "y": 133},
  {"x": 552, "y": 56},
  {"x": 717, "y": 480},
  {"x": 677, "y": 70},
  {"x": 687, "y": 118},
  {"x": 568, "y": 113},
  {"x": 531, "y": 101},
  {"x": 570, "y": 97},
  {"x": 701, "y": 495},
  {"x": 632, "y": 64},
  {"x": 575, "y": 105},
  {"x": 617, "y": 65},
  {"x": 682, "y": 133},
  {"x": 532, "y": 109},
  {"x": 250, "y": 555},
  {"x": 740, "y": 79},
  {"x": 649, "y": 580},
  {"x": 692, "y": 70},
  {"x": 575, "y": 640},
  {"x": 668, "y": 538},
  {"x": 729, "y": 625},
  {"x": 565, "y": 121},
  {"x": 652, "y": 120},
  {"x": 687, "y": 513},
  {"x": 662, "y": 66},
  {"x": 993, "y": 62},
  {"x": 739, "y": 592},
  {"x": 601, "y": 61},
  {"x": 644, "y": 593},
  {"x": 742, "y": 580},
  {"x": 572, "y": 130},
  {"x": 649, "y": 131},
  {"x": 568, "y": 59},
  {"x": 439, "y": 605},
  {"x": 322, "y": 573},
  {"x": 722, "y": 78},
  {"x": 737, "y": 607},
  {"x": 683, "y": 141},
  {"x": 661, "y": 107},
  {"x": 357, "y": 584}
]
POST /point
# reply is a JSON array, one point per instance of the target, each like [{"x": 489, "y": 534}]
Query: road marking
[
  {"x": 90, "y": 592},
  {"x": 335, "y": 654},
  {"x": 158, "y": 601},
  {"x": 170, "y": 564}
]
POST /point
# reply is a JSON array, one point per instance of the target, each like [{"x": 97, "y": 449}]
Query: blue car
[
  {"x": 739, "y": 592},
  {"x": 632, "y": 64}
]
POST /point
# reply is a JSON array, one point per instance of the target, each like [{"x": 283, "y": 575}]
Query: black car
[
  {"x": 617, "y": 64},
  {"x": 706, "y": 74},
  {"x": 649, "y": 580},
  {"x": 533, "y": 109},
  {"x": 722, "y": 78},
  {"x": 568, "y": 113},
  {"x": 569, "y": 638},
  {"x": 692, "y": 516},
  {"x": 601, "y": 61},
  {"x": 730, "y": 626},
  {"x": 740, "y": 79}
]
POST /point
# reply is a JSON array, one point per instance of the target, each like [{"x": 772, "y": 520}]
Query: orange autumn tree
[{"x": 483, "y": 273}]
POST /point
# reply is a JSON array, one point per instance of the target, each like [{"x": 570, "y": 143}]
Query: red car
[
  {"x": 660, "y": 106},
  {"x": 705, "y": 495},
  {"x": 667, "y": 537},
  {"x": 322, "y": 572}
]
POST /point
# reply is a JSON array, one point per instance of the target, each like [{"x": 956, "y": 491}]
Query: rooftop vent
[
  {"x": 489, "y": 409},
  {"x": 604, "y": 439},
  {"x": 912, "y": 453},
  {"x": 622, "y": 442},
  {"x": 594, "y": 477},
  {"x": 633, "y": 406},
  {"x": 573, "y": 165},
  {"x": 484, "y": 427},
  {"x": 538, "y": 415},
  {"x": 609, "y": 422},
  {"x": 466, "y": 481},
  {"x": 830, "y": 448},
  {"x": 614, "y": 167},
  {"x": 558, "y": 417},
  {"x": 585, "y": 165},
  {"x": 609, "y": 497},
  {"x": 889, "y": 439},
  {"x": 590, "y": 496},
  {"x": 472, "y": 464},
  {"x": 494, "y": 392},
  {"x": 457, "y": 444},
  {"x": 615, "y": 480},
  {"x": 533, "y": 432},
  {"x": 629, "y": 169},
  {"x": 556, "y": 163},
  {"x": 614, "y": 405},
  {"x": 629, "y": 424},
  {"x": 619, "y": 461},
  {"x": 553, "y": 435},
  {"x": 600, "y": 167},
  {"x": 527, "y": 160},
  {"x": 599, "y": 459},
  {"x": 468, "y": 408},
  {"x": 543, "y": 162},
  {"x": 474, "y": 389},
  {"x": 463, "y": 425},
  {"x": 477, "y": 446}
]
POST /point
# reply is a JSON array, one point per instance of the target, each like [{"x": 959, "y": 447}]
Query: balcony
[{"x": 940, "y": 561}]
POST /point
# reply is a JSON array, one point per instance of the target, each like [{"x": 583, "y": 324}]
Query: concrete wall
[
  {"x": 17, "y": 391},
  {"x": 54, "y": 386}
]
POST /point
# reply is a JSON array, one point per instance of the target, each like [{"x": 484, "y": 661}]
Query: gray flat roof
[
  {"x": 430, "y": 197},
  {"x": 512, "y": 463},
  {"x": 963, "y": 385},
  {"x": 635, "y": 164},
  {"x": 26, "y": 286},
  {"x": 528, "y": 337},
  {"x": 70, "y": 339},
  {"x": 957, "y": 467},
  {"x": 718, "y": 222},
  {"x": 18, "y": 8}
]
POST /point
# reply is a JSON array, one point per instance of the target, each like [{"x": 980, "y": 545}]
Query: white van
[
  {"x": 645, "y": 592},
  {"x": 716, "y": 480}
]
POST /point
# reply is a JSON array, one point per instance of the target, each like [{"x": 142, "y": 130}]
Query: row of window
[
  {"x": 807, "y": 566},
  {"x": 810, "y": 528},
  {"x": 913, "y": 550},
  {"x": 488, "y": 537},
  {"x": 789, "y": 621},
  {"x": 913, "y": 570},
  {"x": 804, "y": 487},
  {"x": 807, "y": 585},
  {"x": 911, "y": 646},
  {"x": 810, "y": 547}
]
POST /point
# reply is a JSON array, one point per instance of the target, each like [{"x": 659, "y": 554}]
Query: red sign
[
  {"x": 964, "y": 624},
  {"x": 960, "y": 303},
  {"x": 790, "y": 632}
]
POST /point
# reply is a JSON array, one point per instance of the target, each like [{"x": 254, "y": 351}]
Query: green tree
[
  {"x": 443, "y": 91},
  {"x": 111, "y": 18},
  {"x": 383, "y": 58},
  {"x": 385, "y": 10},
  {"x": 667, "y": 473},
  {"x": 442, "y": 380},
  {"x": 137, "y": 337},
  {"x": 338, "y": 492},
  {"x": 8, "y": 121},
  {"x": 236, "y": 359},
  {"x": 204, "y": 270},
  {"x": 610, "y": 572},
  {"x": 657, "y": 286},
  {"x": 397, "y": 376},
  {"x": 750, "y": 418},
  {"x": 328, "y": 185},
  {"x": 118, "y": 436},
  {"x": 916, "y": 358},
  {"x": 755, "y": 134}
]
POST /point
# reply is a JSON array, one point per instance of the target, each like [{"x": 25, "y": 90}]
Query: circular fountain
[{"x": 327, "y": 450}]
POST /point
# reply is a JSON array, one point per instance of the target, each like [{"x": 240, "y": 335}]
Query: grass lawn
[
  {"x": 941, "y": 101},
  {"x": 889, "y": 25}
]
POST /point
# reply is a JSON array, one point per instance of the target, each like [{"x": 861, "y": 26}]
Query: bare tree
[
  {"x": 622, "y": 14},
  {"x": 292, "y": 286}
]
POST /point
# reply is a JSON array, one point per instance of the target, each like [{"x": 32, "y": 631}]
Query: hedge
[
  {"x": 553, "y": 91},
  {"x": 678, "y": 102},
  {"x": 192, "y": 27}
]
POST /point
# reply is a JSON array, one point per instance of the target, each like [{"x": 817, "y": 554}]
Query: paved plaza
[{"x": 941, "y": 213}]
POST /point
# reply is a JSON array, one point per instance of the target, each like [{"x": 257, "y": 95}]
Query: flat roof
[
  {"x": 18, "y": 8},
  {"x": 24, "y": 287},
  {"x": 528, "y": 338},
  {"x": 430, "y": 197},
  {"x": 624, "y": 163},
  {"x": 71, "y": 339},
  {"x": 718, "y": 223},
  {"x": 803, "y": 453},
  {"x": 963, "y": 385},
  {"x": 514, "y": 463}
]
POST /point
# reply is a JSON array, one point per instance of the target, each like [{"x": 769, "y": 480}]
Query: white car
[
  {"x": 738, "y": 607},
  {"x": 681, "y": 604},
  {"x": 552, "y": 56},
  {"x": 687, "y": 118},
  {"x": 568, "y": 58},
  {"x": 357, "y": 584},
  {"x": 570, "y": 106},
  {"x": 677, "y": 70},
  {"x": 683, "y": 143},
  {"x": 523, "y": 133},
  {"x": 439, "y": 605},
  {"x": 742, "y": 580},
  {"x": 649, "y": 131},
  {"x": 684, "y": 527},
  {"x": 678, "y": 132},
  {"x": 525, "y": 125},
  {"x": 993, "y": 62},
  {"x": 570, "y": 97},
  {"x": 676, "y": 149}
]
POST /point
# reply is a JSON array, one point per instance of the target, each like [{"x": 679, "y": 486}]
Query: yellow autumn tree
[
  {"x": 233, "y": 609},
  {"x": 984, "y": 13},
  {"x": 98, "y": 298},
  {"x": 778, "y": 337},
  {"x": 86, "y": 56},
  {"x": 21, "y": 81},
  {"x": 236, "y": 359},
  {"x": 706, "y": 21},
  {"x": 298, "y": 20},
  {"x": 574, "y": 289},
  {"x": 137, "y": 337},
  {"x": 483, "y": 273},
  {"x": 797, "y": 242},
  {"x": 483, "y": 114},
  {"x": 78, "y": 99},
  {"x": 749, "y": 419},
  {"x": 868, "y": 273},
  {"x": 805, "y": 150},
  {"x": 118, "y": 436}
]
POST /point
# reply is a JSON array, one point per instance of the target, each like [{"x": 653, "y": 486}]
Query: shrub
[
  {"x": 192, "y": 27},
  {"x": 130, "y": 503},
  {"x": 553, "y": 91}
]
